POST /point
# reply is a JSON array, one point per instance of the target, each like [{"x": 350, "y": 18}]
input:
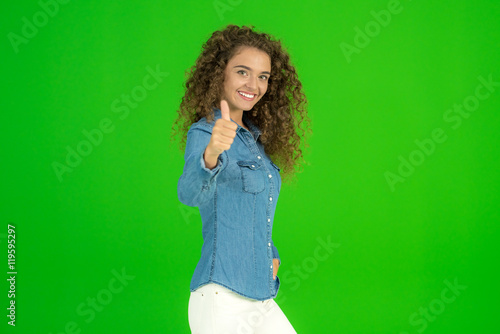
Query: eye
[
  {"x": 241, "y": 71},
  {"x": 264, "y": 76}
]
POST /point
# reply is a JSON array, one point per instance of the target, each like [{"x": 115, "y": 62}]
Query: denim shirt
[{"x": 237, "y": 200}]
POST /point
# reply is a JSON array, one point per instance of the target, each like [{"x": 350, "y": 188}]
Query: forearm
[
  {"x": 197, "y": 183},
  {"x": 210, "y": 159}
]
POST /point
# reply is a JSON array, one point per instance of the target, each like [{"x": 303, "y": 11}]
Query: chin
[{"x": 246, "y": 107}]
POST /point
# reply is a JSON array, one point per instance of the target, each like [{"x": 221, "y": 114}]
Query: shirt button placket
[
  {"x": 269, "y": 228},
  {"x": 268, "y": 225}
]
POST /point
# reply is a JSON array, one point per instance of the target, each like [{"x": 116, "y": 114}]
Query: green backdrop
[{"x": 392, "y": 227}]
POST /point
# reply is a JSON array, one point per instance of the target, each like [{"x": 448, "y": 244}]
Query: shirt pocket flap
[
  {"x": 275, "y": 166},
  {"x": 249, "y": 164}
]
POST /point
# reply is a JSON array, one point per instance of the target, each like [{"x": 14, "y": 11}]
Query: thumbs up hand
[
  {"x": 223, "y": 134},
  {"x": 224, "y": 108}
]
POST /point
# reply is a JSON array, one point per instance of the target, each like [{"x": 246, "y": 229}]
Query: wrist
[{"x": 211, "y": 160}]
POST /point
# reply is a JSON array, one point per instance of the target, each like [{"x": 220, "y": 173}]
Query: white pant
[{"x": 214, "y": 309}]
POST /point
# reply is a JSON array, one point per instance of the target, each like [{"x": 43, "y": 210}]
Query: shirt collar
[{"x": 253, "y": 128}]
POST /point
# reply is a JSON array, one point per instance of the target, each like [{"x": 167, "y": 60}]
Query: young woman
[{"x": 241, "y": 117}]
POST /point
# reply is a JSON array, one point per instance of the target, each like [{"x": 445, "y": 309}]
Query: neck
[{"x": 237, "y": 116}]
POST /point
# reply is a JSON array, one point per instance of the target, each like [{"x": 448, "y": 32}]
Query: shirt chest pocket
[{"x": 252, "y": 176}]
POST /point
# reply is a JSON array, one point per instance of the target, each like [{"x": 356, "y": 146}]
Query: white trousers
[{"x": 214, "y": 309}]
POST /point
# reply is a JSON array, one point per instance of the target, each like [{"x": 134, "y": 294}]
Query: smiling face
[{"x": 246, "y": 78}]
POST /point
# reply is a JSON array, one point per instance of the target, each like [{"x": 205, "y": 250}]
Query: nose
[{"x": 252, "y": 83}]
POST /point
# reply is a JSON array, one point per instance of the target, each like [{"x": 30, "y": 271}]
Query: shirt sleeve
[
  {"x": 197, "y": 183},
  {"x": 276, "y": 255}
]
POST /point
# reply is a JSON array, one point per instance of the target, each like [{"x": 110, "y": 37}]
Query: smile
[{"x": 247, "y": 97}]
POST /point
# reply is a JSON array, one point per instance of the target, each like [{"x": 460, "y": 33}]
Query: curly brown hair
[{"x": 279, "y": 114}]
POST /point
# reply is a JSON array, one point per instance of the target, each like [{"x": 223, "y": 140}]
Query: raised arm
[{"x": 204, "y": 159}]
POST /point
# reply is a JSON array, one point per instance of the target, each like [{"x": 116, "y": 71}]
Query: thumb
[{"x": 224, "y": 108}]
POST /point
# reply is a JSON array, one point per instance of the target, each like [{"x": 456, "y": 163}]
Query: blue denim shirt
[{"x": 237, "y": 200}]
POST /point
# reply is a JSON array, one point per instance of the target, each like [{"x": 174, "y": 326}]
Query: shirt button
[
  {"x": 270, "y": 176},
  {"x": 268, "y": 219},
  {"x": 253, "y": 166},
  {"x": 258, "y": 157},
  {"x": 270, "y": 198},
  {"x": 271, "y": 267},
  {"x": 269, "y": 244}
]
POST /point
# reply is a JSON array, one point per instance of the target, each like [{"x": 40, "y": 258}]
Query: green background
[{"x": 396, "y": 247}]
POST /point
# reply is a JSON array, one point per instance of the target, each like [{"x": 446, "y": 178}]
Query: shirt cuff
[
  {"x": 214, "y": 171},
  {"x": 276, "y": 255}
]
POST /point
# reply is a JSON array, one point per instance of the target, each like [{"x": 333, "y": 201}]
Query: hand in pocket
[{"x": 276, "y": 264}]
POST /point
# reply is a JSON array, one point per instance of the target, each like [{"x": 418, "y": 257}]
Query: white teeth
[{"x": 247, "y": 95}]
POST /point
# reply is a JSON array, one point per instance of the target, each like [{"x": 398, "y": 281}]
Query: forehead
[{"x": 251, "y": 57}]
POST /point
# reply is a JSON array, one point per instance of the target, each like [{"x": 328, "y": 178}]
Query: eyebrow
[{"x": 248, "y": 68}]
